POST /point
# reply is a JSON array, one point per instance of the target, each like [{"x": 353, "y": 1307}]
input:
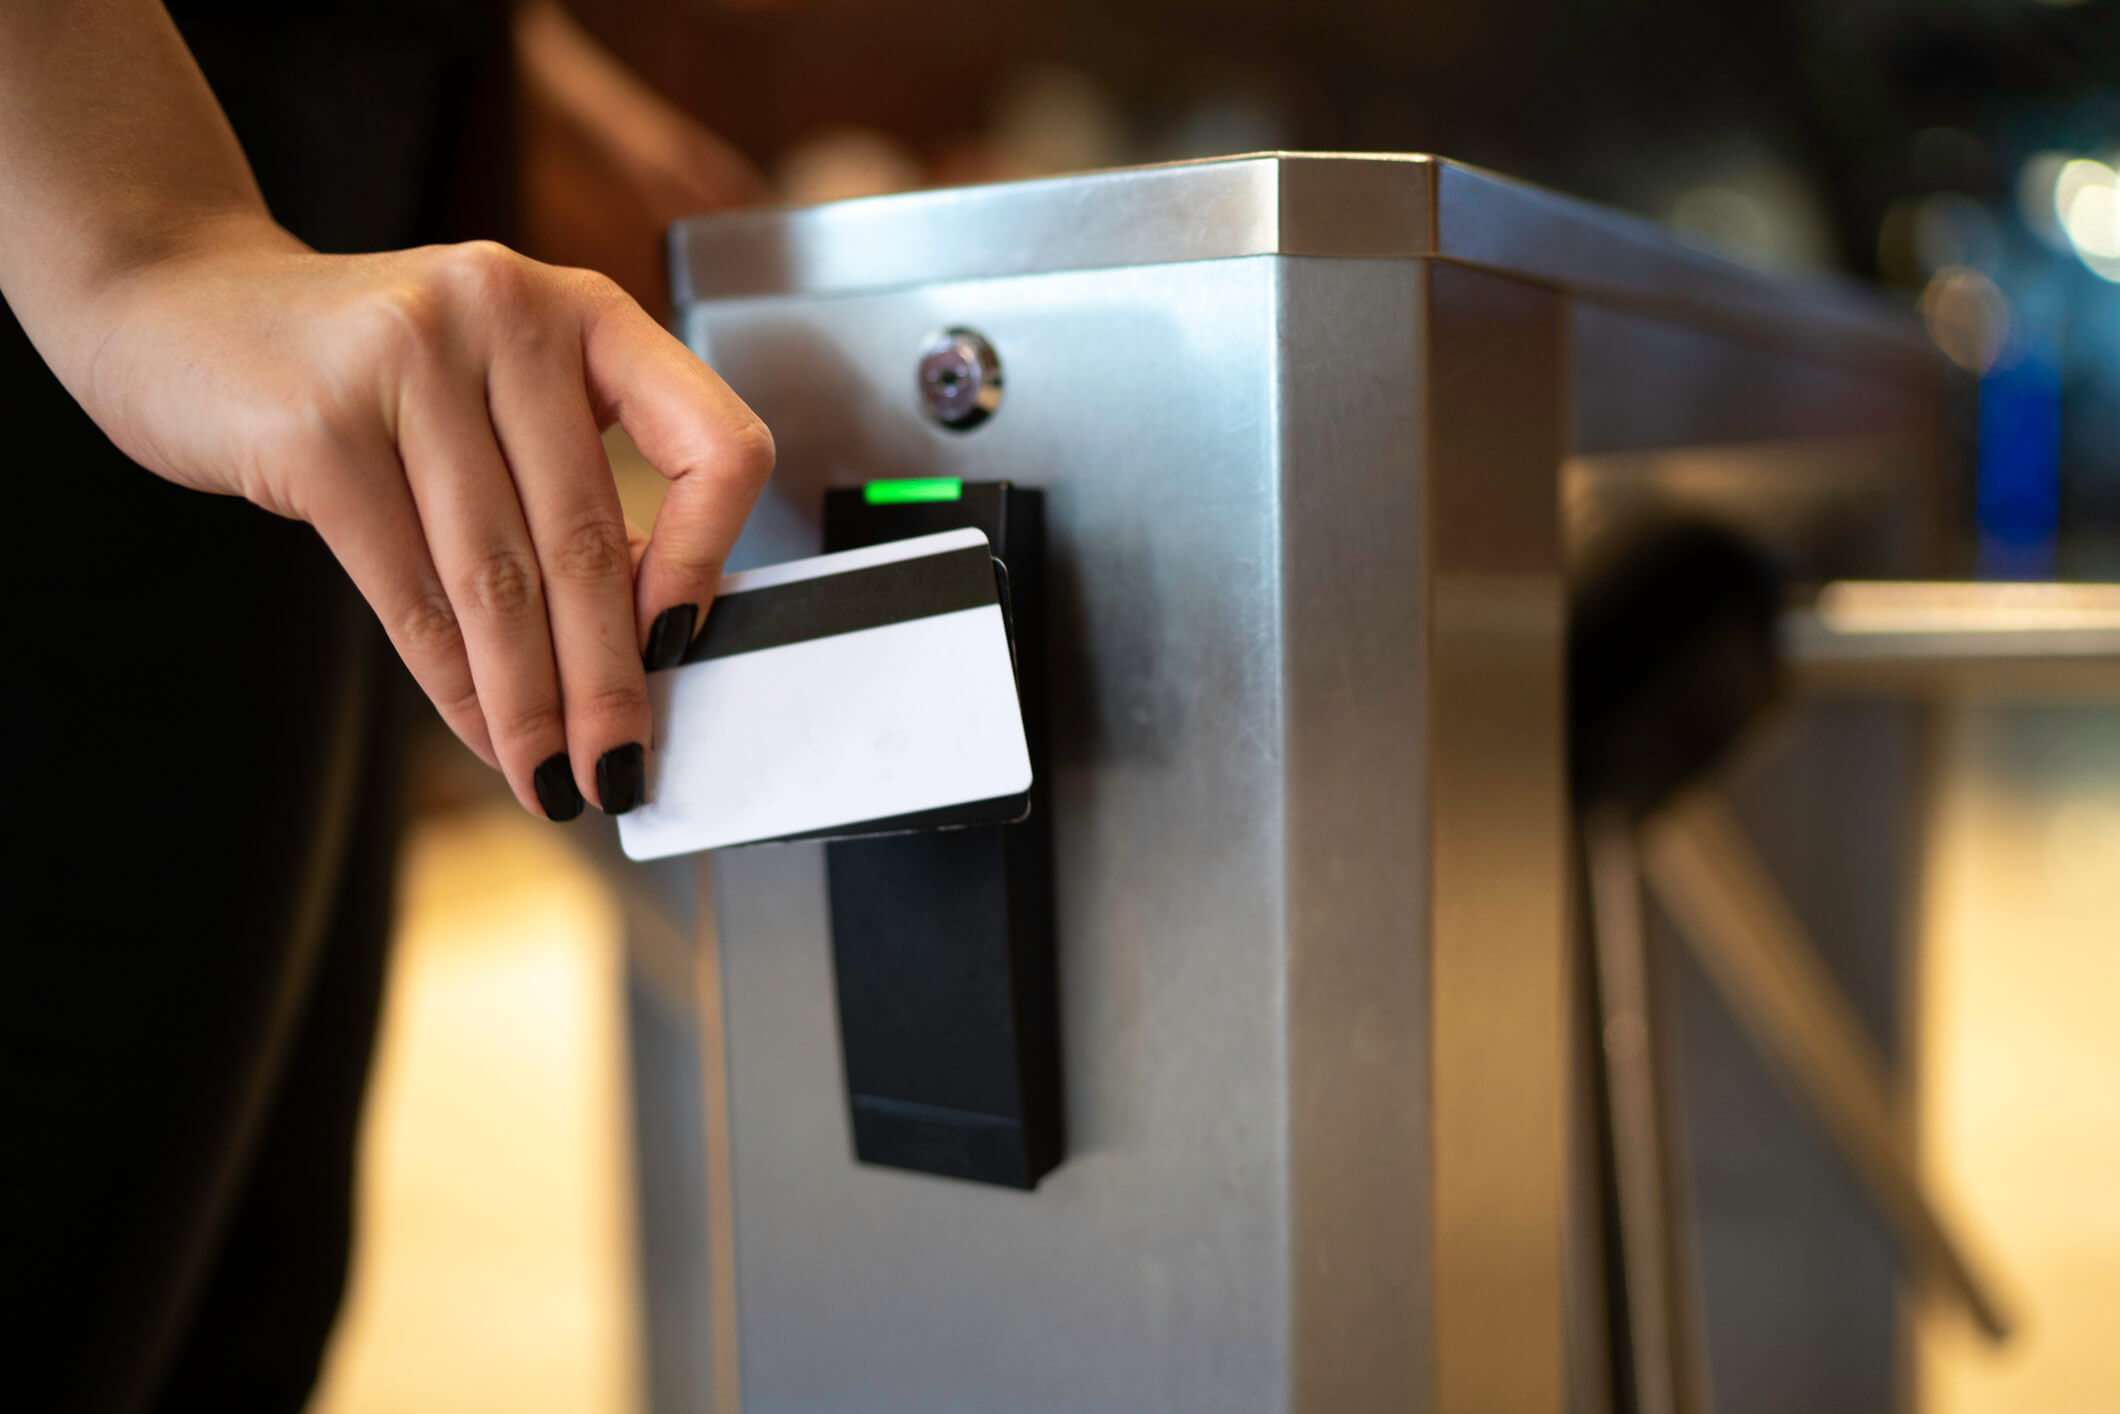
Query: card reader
[{"x": 942, "y": 939}]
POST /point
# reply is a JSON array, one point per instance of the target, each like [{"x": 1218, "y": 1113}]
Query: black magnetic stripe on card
[
  {"x": 975, "y": 814},
  {"x": 829, "y": 605}
]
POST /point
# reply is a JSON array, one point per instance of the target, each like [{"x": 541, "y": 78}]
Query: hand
[{"x": 435, "y": 414}]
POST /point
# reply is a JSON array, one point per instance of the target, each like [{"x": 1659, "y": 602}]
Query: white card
[{"x": 837, "y": 694}]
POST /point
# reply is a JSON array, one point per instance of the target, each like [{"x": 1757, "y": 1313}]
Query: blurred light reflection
[
  {"x": 2037, "y": 182},
  {"x": 1966, "y": 315},
  {"x": 1951, "y": 228},
  {"x": 2087, "y": 204},
  {"x": 1913, "y": 606}
]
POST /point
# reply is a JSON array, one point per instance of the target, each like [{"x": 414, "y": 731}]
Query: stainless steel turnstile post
[{"x": 1314, "y": 434}]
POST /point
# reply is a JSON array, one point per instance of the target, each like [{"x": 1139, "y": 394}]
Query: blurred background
[{"x": 1959, "y": 153}]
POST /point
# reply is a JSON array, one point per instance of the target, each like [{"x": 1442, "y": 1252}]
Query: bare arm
[
  {"x": 113, "y": 155},
  {"x": 434, "y": 413}
]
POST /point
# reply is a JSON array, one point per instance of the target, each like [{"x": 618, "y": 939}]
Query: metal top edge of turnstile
[{"x": 1331, "y": 205}]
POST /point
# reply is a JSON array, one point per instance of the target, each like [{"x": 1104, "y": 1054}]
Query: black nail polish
[
  {"x": 670, "y": 635},
  {"x": 621, "y": 781},
  {"x": 556, "y": 791}
]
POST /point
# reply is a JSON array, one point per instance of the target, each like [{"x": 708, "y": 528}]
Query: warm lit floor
[
  {"x": 495, "y": 1263},
  {"x": 2021, "y": 1050},
  {"x": 494, "y": 1272}
]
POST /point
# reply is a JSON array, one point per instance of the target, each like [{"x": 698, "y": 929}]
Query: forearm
[
  {"x": 435, "y": 413},
  {"x": 114, "y": 155}
]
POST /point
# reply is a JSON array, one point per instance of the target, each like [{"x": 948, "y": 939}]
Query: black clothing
[{"x": 200, "y": 811}]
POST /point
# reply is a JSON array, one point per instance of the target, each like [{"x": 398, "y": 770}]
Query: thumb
[{"x": 694, "y": 430}]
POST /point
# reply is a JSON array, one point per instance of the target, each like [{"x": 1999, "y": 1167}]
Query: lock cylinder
[{"x": 959, "y": 379}]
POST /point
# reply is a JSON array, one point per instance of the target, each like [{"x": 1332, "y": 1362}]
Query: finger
[
  {"x": 490, "y": 572},
  {"x": 367, "y": 518},
  {"x": 695, "y": 431},
  {"x": 570, "y": 503}
]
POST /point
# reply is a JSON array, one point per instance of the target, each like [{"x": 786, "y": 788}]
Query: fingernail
[
  {"x": 556, "y": 791},
  {"x": 670, "y": 635},
  {"x": 621, "y": 784}
]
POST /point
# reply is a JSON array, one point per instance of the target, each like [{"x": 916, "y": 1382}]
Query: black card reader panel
[{"x": 942, "y": 939}]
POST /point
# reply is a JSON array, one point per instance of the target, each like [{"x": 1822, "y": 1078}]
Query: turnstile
[{"x": 1314, "y": 435}]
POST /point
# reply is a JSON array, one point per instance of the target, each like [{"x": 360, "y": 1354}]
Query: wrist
[
  {"x": 160, "y": 243},
  {"x": 154, "y": 309},
  {"x": 130, "y": 274}
]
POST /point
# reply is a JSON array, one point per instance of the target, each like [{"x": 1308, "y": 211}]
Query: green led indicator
[{"x": 913, "y": 491}]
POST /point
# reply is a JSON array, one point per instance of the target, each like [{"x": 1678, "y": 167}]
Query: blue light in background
[{"x": 2019, "y": 496}]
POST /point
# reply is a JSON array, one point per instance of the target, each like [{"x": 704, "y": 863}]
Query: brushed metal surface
[
  {"x": 1252, "y": 858},
  {"x": 1658, "y": 1268},
  {"x": 1302, "y": 440},
  {"x": 1749, "y": 941},
  {"x": 1490, "y": 221},
  {"x": 1357, "y": 733},
  {"x": 1152, "y": 1270},
  {"x": 1273, "y": 204},
  {"x": 1832, "y": 461},
  {"x": 2056, "y": 642},
  {"x": 1497, "y": 840},
  {"x": 1342, "y": 205}
]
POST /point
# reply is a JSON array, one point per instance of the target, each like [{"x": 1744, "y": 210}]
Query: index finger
[{"x": 713, "y": 449}]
